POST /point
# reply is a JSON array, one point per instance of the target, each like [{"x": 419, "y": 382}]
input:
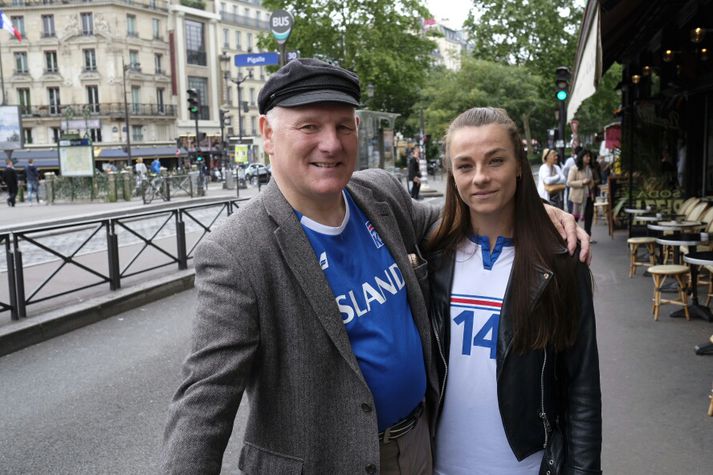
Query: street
[{"x": 95, "y": 400}]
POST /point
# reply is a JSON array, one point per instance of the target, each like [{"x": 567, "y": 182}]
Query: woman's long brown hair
[{"x": 537, "y": 243}]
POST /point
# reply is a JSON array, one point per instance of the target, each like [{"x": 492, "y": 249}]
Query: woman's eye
[{"x": 497, "y": 161}]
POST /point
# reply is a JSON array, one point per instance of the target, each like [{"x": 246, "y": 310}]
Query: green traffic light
[
  {"x": 194, "y": 110},
  {"x": 561, "y": 95}
]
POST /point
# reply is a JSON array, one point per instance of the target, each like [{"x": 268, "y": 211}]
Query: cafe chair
[
  {"x": 688, "y": 205},
  {"x": 634, "y": 244},
  {"x": 710, "y": 405},
  {"x": 682, "y": 275}
]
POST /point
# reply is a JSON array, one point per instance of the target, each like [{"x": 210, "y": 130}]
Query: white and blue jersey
[
  {"x": 471, "y": 438},
  {"x": 370, "y": 292}
]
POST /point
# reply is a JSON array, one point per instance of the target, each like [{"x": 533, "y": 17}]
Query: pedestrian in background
[
  {"x": 551, "y": 181},
  {"x": 32, "y": 175},
  {"x": 331, "y": 338},
  {"x": 516, "y": 314},
  {"x": 156, "y": 166},
  {"x": 582, "y": 189},
  {"x": 568, "y": 164},
  {"x": 414, "y": 173},
  {"x": 140, "y": 172},
  {"x": 10, "y": 177}
]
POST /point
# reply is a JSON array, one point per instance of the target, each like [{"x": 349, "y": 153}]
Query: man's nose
[{"x": 329, "y": 140}]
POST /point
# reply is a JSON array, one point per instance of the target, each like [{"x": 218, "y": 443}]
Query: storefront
[{"x": 666, "y": 88}]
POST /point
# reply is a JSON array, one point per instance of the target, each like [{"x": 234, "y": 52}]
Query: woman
[
  {"x": 523, "y": 371},
  {"x": 582, "y": 188},
  {"x": 550, "y": 175}
]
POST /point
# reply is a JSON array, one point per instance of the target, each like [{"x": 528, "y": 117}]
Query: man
[
  {"x": 309, "y": 300},
  {"x": 140, "y": 172},
  {"x": 156, "y": 166},
  {"x": 10, "y": 177},
  {"x": 414, "y": 173},
  {"x": 33, "y": 181}
]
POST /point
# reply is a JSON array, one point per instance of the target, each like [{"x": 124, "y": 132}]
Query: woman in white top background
[{"x": 550, "y": 174}]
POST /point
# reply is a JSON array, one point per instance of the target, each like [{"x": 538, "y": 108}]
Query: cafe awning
[{"x": 588, "y": 70}]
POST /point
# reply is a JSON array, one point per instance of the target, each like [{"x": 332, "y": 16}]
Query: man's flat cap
[{"x": 309, "y": 81}]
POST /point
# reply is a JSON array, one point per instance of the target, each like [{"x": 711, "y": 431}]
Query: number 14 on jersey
[{"x": 487, "y": 336}]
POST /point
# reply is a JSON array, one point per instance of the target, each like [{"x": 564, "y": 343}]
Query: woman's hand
[{"x": 570, "y": 232}]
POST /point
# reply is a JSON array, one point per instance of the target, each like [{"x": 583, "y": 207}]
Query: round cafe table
[
  {"x": 696, "y": 259},
  {"x": 636, "y": 211}
]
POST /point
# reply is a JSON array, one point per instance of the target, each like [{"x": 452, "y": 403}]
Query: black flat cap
[{"x": 308, "y": 81}]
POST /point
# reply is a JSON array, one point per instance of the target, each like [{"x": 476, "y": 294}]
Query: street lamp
[
  {"x": 126, "y": 67},
  {"x": 238, "y": 82}
]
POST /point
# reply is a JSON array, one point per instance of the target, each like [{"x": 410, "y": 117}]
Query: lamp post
[
  {"x": 238, "y": 82},
  {"x": 126, "y": 67}
]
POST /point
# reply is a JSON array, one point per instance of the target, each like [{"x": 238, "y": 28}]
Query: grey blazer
[{"x": 267, "y": 324}]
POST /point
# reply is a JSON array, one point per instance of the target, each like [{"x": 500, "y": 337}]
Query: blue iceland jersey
[{"x": 371, "y": 295}]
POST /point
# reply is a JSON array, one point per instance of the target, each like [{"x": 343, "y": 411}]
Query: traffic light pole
[{"x": 561, "y": 127}]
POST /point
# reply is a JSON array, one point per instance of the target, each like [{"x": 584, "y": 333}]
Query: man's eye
[{"x": 308, "y": 127}]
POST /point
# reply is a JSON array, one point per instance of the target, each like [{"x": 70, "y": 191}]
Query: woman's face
[
  {"x": 587, "y": 159},
  {"x": 485, "y": 170},
  {"x": 551, "y": 157}
]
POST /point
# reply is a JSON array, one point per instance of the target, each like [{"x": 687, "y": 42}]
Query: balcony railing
[
  {"x": 246, "y": 21},
  {"x": 197, "y": 57},
  {"x": 114, "y": 110},
  {"x": 159, "y": 5}
]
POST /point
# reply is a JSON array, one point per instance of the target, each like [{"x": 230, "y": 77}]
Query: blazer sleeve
[
  {"x": 583, "y": 409},
  {"x": 225, "y": 342}
]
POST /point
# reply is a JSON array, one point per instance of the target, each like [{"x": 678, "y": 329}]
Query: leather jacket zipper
[
  {"x": 543, "y": 414},
  {"x": 445, "y": 365}
]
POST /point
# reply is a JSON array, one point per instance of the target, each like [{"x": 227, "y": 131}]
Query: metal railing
[
  {"x": 246, "y": 21},
  {"x": 100, "y": 109},
  {"x": 105, "y": 250}
]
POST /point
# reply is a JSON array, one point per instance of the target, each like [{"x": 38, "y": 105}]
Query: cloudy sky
[{"x": 456, "y": 11}]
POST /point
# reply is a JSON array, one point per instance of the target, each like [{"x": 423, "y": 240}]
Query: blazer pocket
[{"x": 257, "y": 461}]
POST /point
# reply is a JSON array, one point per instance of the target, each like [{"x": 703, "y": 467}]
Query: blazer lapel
[{"x": 299, "y": 256}]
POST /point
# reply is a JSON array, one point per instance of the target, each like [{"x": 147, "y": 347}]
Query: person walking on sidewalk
[
  {"x": 32, "y": 175},
  {"x": 10, "y": 177},
  {"x": 414, "y": 173},
  {"x": 331, "y": 338}
]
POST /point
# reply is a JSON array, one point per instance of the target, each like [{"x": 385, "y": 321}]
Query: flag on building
[
  {"x": 6, "y": 24},
  {"x": 427, "y": 22}
]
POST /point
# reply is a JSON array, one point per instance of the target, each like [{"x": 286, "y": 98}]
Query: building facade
[{"x": 85, "y": 65}]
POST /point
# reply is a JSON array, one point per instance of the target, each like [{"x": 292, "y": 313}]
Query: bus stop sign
[{"x": 281, "y": 25}]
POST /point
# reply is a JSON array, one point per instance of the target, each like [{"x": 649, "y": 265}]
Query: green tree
[
  {"x": 380, "y": 40},
  {"x": 486, "y": 83},
  {"x": 540, "y": 34}
]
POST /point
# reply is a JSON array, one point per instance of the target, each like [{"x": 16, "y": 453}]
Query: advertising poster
[
  {"x": 10, "y": 128},
  {"x": 75, "y": 160},
  {"x": 241, "y": 153}
]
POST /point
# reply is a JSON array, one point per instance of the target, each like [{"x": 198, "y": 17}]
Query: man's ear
[{"x": 266, "y": 133}]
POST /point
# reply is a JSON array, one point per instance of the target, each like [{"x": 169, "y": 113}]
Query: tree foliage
[
  {"x": 485, "y": 83},
  {"x": 541, "y": 34},
  {"x": 380, "y": 40}
]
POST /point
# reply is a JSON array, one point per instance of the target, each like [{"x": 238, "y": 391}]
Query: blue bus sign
[{"x": 256, "y": 59}]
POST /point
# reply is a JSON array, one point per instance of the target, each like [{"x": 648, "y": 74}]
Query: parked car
[{"x": 257, "y": 170}]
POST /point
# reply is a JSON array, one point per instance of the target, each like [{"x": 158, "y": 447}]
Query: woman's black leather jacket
[{"x": 547, "y": 399}]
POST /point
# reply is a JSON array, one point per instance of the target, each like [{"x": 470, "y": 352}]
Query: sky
[{"x": 456, "y": 11}]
